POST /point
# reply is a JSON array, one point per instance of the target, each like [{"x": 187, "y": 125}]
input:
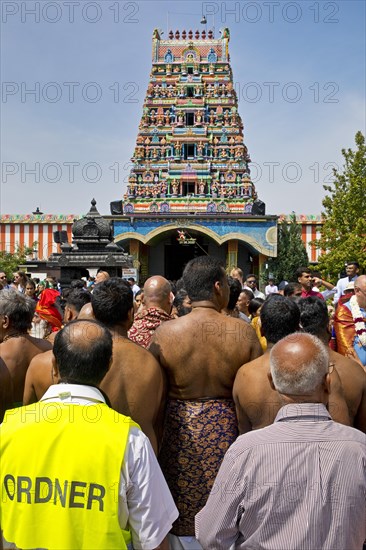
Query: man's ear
[
  {"x": 327, "y": 384},
  {"x": 6, "y": 321},
  {"x": 68, "y": 316},
  {"x": 54, "y": 370},
  {"x": 270, "y": 379}
]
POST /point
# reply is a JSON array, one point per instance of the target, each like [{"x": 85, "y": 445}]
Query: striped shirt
[{"x": 299, "y": 484}]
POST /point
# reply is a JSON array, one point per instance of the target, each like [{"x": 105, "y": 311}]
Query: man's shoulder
[
  {"x": 251, "y": 376},
  {"x": 257, "y": 367},
  {"x": 348, "y": 367},
  {"x": 40, "y": 343},
  {"x": 283, "y": 433}
]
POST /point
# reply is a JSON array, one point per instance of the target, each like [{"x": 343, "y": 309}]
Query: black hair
[
  {"x": 290, "y": 289},
  {"x": 200, "y": 276},
  {"x": 77, "y": 283},
  {"x": 300, "y": 270},
  {"x": 235, "y": 290},
  {"x": 254, "y": 305},
  {"x": 248, "y": 292},
  {"x": 178, "y": 303},
  {"x": 31, "y": 282},
  {"x": 111, "y": 301},
  {"x": 79, "y": 358},
  {"x": 356, "y": 264},
  {"x": 280, "y": 317},
  {"x": 77, "y": 298},
  {"x": 314, "y": 316}
]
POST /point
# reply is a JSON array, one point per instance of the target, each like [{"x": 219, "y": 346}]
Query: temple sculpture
[{"x": 190, "y": 141}]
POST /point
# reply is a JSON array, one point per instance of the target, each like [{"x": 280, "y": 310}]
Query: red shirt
[{"x": 307, "y": 293}]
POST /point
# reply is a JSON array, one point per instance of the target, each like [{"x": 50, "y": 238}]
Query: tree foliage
[
  {"x": 291, "y": 252},
  {"x": 9, "y": 262},
  {"x": 343, "y": 234}
]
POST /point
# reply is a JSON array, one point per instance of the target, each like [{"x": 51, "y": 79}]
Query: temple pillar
[
  {"x": 232, "y": 254},
  {"x": 144, "y": 262},
  {"x": 262, "y": 262}
]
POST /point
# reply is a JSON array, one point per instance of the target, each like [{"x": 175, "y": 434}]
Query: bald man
[
  {"x": 88, "y": 475},
  {"x": 299, "y": 483},
  {"x": 158, "y": 300},
  {"x": 256, "y": 402},
  {"x": 101, "y": 276}
]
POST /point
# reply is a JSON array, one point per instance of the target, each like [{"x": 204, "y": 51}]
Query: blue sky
[{"x": 299, "y": 70}]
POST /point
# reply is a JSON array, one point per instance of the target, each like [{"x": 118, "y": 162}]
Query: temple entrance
[{"x": 177, "y": 256}]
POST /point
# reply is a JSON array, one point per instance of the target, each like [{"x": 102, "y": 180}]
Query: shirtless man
[
  {"x": 200, "y": 353},
  {"x": 134, "y": 383},
  {"x": 39, "y": 373},
  {"x": 17, "y": 347},
  {"x": 314, "y": 319},
  {"x": 256, "y": 402}
]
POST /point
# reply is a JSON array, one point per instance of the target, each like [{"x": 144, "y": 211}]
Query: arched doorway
[{"x": 168, "y": 254}]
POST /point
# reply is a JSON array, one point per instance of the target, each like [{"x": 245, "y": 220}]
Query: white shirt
[
  {"x": 341, "y": 287},
  {"x": 257, "y": 293},
  {"x": 144, "y": 500},
  {"x": 270, "y": 289}
]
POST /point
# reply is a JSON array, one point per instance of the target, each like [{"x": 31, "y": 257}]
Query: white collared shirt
[{"x": 144, "y": 501}]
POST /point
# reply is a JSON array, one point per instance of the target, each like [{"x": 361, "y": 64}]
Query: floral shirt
[{"x": 145, "y": 324}]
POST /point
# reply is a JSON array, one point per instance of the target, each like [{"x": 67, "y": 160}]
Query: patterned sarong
[{"x": 196, "y": 437}]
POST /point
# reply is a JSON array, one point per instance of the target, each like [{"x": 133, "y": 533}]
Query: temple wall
[{"x": 21, "y": 231}]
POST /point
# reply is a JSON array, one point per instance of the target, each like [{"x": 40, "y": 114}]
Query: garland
[{"x": 358, "y": 319}]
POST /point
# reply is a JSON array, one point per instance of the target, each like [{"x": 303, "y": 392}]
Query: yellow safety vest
[{"x": 60, "y": 471}]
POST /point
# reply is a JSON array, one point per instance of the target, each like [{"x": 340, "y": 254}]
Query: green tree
[
  {"x": 343, "y": 234},
  {"x": 291, "y": 252},
  {"x": 9, "y": 262}
]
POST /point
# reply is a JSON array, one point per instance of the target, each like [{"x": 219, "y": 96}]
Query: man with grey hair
[
  {"x": 17, "y": 347},
  {"x": 299, "y": 483}
]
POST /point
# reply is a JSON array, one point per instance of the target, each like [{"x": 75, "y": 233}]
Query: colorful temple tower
[{"x": 190, "y": 183}]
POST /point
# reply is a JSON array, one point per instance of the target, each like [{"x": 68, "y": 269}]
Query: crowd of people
[{"x": 202, "y": 413}]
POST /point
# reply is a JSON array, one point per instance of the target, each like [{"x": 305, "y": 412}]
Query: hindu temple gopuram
[{"x": 190, "y": 189}]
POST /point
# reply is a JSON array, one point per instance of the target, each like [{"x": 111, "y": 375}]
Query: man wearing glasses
[
  {"x": 350, "y": 324},
  {"x": 251, "y": 283},
  {"x": 3, "y": 281}
]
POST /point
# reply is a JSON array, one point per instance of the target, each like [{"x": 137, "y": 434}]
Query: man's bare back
[
  {"x": 353, "y": 379},
  {"x": 38, "y": 378},
  {"x": 201, "y": 353},
  {"x": 134, "y": 385},
  {"x": 6, "y": 390},
  {"x": 257, "y": 404},
  {"x": 17, "y": 353}
]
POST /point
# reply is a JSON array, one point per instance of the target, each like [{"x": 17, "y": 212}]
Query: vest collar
[{"x": 73, "y": 392}]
